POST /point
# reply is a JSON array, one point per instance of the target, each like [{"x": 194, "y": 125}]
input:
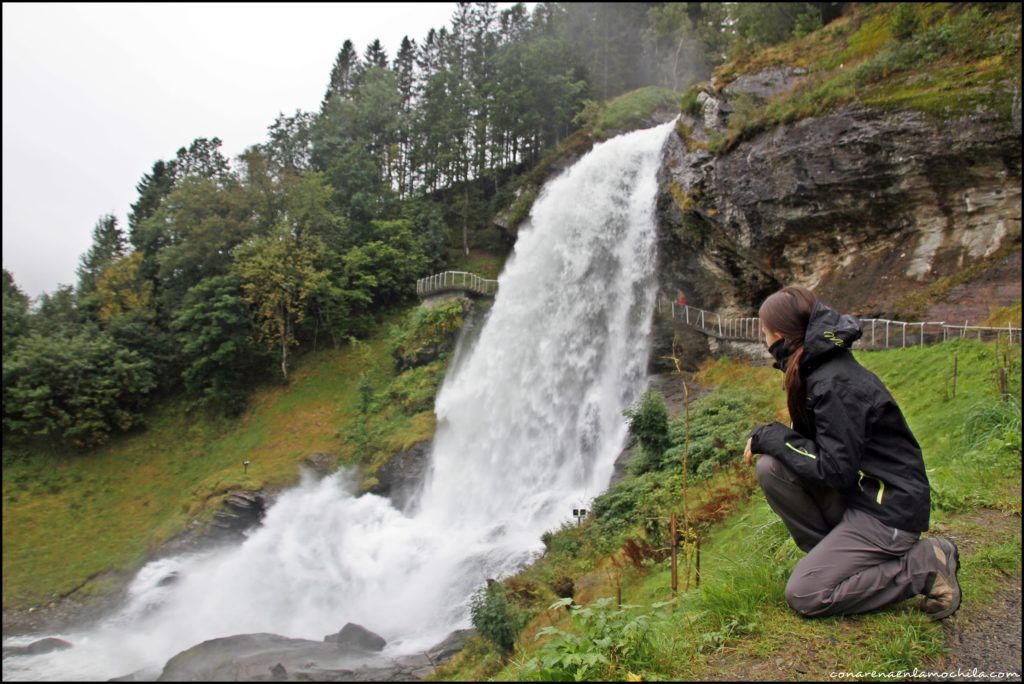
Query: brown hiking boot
[{"x": 944, "y": 596}]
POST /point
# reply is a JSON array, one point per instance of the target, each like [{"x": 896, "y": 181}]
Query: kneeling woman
[{"x": 848, "y": 479}]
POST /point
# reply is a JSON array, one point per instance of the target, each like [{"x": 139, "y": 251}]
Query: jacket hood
[{"x": 827, "y": 332}]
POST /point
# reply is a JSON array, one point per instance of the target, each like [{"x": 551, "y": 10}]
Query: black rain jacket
[{"x": 858, "y": 441}]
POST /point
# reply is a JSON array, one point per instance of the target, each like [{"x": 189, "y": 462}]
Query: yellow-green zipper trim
[
  {"x": 801, "y": 451},
  {"x": 881, "y": 485}
]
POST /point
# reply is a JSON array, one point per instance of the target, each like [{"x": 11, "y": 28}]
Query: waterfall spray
[{"x": 529, "y": 426}]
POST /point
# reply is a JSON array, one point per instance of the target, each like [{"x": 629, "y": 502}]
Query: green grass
[
  {"x": 736, "y": 623},
  {"x": 71, "y": 518},
  {"x": 631, "y": 110},
  {"x": 970, "y": 437}
]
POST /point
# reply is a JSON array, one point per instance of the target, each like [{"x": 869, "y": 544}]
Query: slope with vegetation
[
  {"x": 944, "y": 59},
  {"x": 76, "y": 525},
  {"x": 598, "y": 604}
]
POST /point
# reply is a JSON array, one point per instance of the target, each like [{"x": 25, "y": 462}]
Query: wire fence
[
  {"x": 450, "y": 281},
  {"x": 878, "y": 333}
]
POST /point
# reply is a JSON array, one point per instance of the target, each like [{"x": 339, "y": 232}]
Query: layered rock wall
[{"x": 866, "y": 207}]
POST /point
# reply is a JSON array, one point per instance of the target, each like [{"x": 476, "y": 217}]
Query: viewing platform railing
[
  {"x": 456, "y": 281},
  {"x": 878, "y": 333}
]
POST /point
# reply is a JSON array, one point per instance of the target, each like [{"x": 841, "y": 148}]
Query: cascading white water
[{"x": 529, "y": 427}]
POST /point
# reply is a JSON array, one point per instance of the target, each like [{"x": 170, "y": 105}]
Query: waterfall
[{"x": 529, "y": 427}]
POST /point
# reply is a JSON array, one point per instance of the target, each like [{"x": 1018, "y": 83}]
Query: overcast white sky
[{"x": 93, "y": 94}]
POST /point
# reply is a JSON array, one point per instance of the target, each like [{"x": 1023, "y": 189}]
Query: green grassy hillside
[{"x": 78, "y": 523}]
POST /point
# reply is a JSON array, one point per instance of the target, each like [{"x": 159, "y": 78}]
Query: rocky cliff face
[{"x": 866, "y": 207}]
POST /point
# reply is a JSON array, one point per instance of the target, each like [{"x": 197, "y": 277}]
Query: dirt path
[{"x": 983, "y": 638}]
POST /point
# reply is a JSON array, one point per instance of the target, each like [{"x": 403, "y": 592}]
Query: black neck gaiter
[{"x": 781, "y": 353}]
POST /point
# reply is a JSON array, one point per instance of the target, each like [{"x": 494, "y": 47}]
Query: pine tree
[
  {"x": 342, "y": 75},
  {"x": 481, "y": 50},
  {"x": 375, "y": 56},
  {"x": 15, "y": 310},
  {"x": 405, "y": 69},
  {"x": 108, "y": 245},
  {"x": 289, "y": 147},
  {"x": 514, "y": 23},
  {"x": 152, "y": 189},
  {"x": 201, "y": 158}
]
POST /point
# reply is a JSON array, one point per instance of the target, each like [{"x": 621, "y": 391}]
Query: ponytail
[
  {"x": 796, "y": 391},
  {"x": 787, "y": 313}
]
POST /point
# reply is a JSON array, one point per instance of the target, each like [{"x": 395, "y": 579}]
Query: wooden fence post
[
  {"x": 675, "y": 576},
  {"x": 954, "y": 374}
]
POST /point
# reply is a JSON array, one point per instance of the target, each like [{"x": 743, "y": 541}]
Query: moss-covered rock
[
  {"x": 428, "y": 334},
  {"x": 944, "y": 60}
]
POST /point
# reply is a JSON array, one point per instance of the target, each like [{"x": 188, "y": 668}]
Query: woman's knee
[{"x": 804, "y": 599}]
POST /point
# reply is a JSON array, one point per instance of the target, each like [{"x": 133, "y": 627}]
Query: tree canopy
[{"x": 312, "y": 233}]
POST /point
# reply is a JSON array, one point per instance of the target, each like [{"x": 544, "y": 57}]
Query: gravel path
[{"x": 984, "y": 639}]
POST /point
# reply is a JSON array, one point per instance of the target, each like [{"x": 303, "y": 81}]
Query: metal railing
[
  {"x": 878, "y": 333},
  {"x": 455, "y": 281}
]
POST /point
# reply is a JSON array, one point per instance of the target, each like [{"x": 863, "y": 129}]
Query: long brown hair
[{"x": 787, "y": 312}]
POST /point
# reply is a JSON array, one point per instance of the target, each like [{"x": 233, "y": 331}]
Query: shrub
[
  {"x": 631, "y": 110},
  {"x": 903, "y": 22},
  {"x": 718, "y": 427},
  {"x": 78, "y": 389},
  {"x": 648, "y": 423},
  {"x": 808, "y": 22},
  {"x": 519, "y": 211},
  {"x": 495, "y": 617},
  {"x": 563, "y": 541},
  {"x": 415, "y": 389},
  {"x": 608, "y": 640},
  {"x": 563, "y": 587},
  {"x": 690, "y": 104},
  {"x": 620, "y": 507},
  {"x": 427, "y": 334}
]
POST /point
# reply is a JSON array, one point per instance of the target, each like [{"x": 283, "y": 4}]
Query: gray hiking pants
[{"x": 854, "y": 563}]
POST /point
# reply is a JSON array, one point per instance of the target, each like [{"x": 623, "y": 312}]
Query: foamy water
[{"x": 529, "y": 426}]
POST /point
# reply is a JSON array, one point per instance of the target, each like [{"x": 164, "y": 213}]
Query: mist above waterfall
[{"x": 529, "y": 427}]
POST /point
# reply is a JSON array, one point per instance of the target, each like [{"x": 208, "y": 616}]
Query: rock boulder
[{"x": 357, "y": 636}]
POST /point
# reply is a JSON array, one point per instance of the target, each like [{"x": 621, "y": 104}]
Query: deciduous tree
[
  {"x": 279, "y": 272},
  {"x": 79, "y": 389},
  {"x": 218, "y": 345}
]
